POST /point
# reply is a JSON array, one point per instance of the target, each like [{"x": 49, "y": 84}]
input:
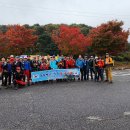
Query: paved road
[{"x": 68, "y": 106}]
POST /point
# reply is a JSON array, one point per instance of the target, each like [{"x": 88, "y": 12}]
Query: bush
[
  {"x": 119, "y": 58},
  {"x": 123, "y": 57}
]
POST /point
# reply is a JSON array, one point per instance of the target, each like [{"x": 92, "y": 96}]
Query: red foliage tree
[
  {"x": 18, "y": 39},
  {"x": 2, "y": 44},
  {"x": 109, "y": 37},
  {"x": 70, "y": 40}
]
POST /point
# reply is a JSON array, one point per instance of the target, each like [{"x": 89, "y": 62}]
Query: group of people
[{"x": 18, "y": 69}]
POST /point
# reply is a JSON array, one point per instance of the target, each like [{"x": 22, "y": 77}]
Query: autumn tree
[
  {"x": 85, "y": 29},
  {"x": 70, "y": 40},
  {"x": 109, "y": 37},
  {"x": 2, "y": 44},
  {"x": 19, "y": 39}
]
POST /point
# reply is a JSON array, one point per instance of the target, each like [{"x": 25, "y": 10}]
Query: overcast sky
[{"x": 90, "y": 12}]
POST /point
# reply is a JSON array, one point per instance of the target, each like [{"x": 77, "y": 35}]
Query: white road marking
[
  {"x": 94, "y": 118},
  {"x": 127, "y": 113},
  {"x": 121, "y": 74}
]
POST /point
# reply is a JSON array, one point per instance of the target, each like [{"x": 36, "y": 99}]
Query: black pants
[
  {"x": 92, "y": 71},
  {"x": 15, "y": 84},
  {"x": 81, "y": 71},
  {"x": 86, "y": 74},
  {"x": 100, "y": 74},
  {"x": 4, "y": 78},
  {"x": 96, "y": 74},
  {"x": 9, "y": 78}
]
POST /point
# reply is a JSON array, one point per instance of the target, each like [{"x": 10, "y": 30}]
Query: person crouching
[{"x": 18, "y": 79}]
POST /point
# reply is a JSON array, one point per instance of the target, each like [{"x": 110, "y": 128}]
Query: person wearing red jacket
[
  {"x": 44, "y": 65},
  {"x": 100, "y": 64},
  {"x": 11, "y": 59},
  {"x": 71, "y": 62},
  {"x": 66, "y": 62}
]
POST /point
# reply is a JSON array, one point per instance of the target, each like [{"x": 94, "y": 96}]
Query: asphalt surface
[{"x": 68, "y": 106}]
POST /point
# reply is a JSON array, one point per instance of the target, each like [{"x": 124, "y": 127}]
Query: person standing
[
  {"x": 96, "y": 69},
  {"x": 80, "y": 65},
  {"x": 35, "y": 65},
  {"x": 101, "y": 69},
  {"x": 71, "y": 62},
  {"x": 86, "y": 68},
  {"x": 4, "y": 75},
  {"x": 108, "y": 68},
  {"x": 17, "y": 63},
  {"x": 61, "y": 64},
  {"x": 92, "y": 66},
  {"x": 53, "y": 63},
  {"x": 44, "y": 65},
  {"x": 27, "y": 69},
  {"x": 9, "y": 72}
]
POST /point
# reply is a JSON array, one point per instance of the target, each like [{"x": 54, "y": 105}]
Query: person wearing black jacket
[
  {"x": 17, "y": 63},
  {"x": 92, "y": 66},
  {"x": 18, "y": 79},
  {"x": 35, "y": 65}
]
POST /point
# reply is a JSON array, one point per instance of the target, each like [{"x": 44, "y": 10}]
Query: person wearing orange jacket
[
  {"x": 108, "y": 68},
  {"x": 101, "y": 68}
]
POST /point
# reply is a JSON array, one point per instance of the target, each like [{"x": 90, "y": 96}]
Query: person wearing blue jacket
[
  {"x": 80, "y": 65},
  {"x": 9, "y": 71},
  {"x": 53, "y": 63},
  {"x": 27, "y": 69}
]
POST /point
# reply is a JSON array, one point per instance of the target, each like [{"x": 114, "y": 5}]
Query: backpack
[{"x": 112, "y": 64}]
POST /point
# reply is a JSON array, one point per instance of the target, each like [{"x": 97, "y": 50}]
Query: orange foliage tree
[
  {"x": 18, "y": 39},
  {"x": 70, "y": 40}
]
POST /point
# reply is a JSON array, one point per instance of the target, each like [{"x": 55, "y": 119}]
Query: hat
[
  {"x": 96, "y": 57},
  {"x": 107, "y": 53},
  {"x": 17, "y": 57},
  {"x": 11, "y": 56},
  {"x": 25, "y": 57},
  {"x": 21, "y": 57}
]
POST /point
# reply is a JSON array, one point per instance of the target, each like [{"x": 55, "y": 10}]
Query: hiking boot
[
  {"x": 110, "y": 82},
  {"x": 15, "y": 87},
  {"x": 28, "y": 83},
  {"x": 106, "y": 81}
]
